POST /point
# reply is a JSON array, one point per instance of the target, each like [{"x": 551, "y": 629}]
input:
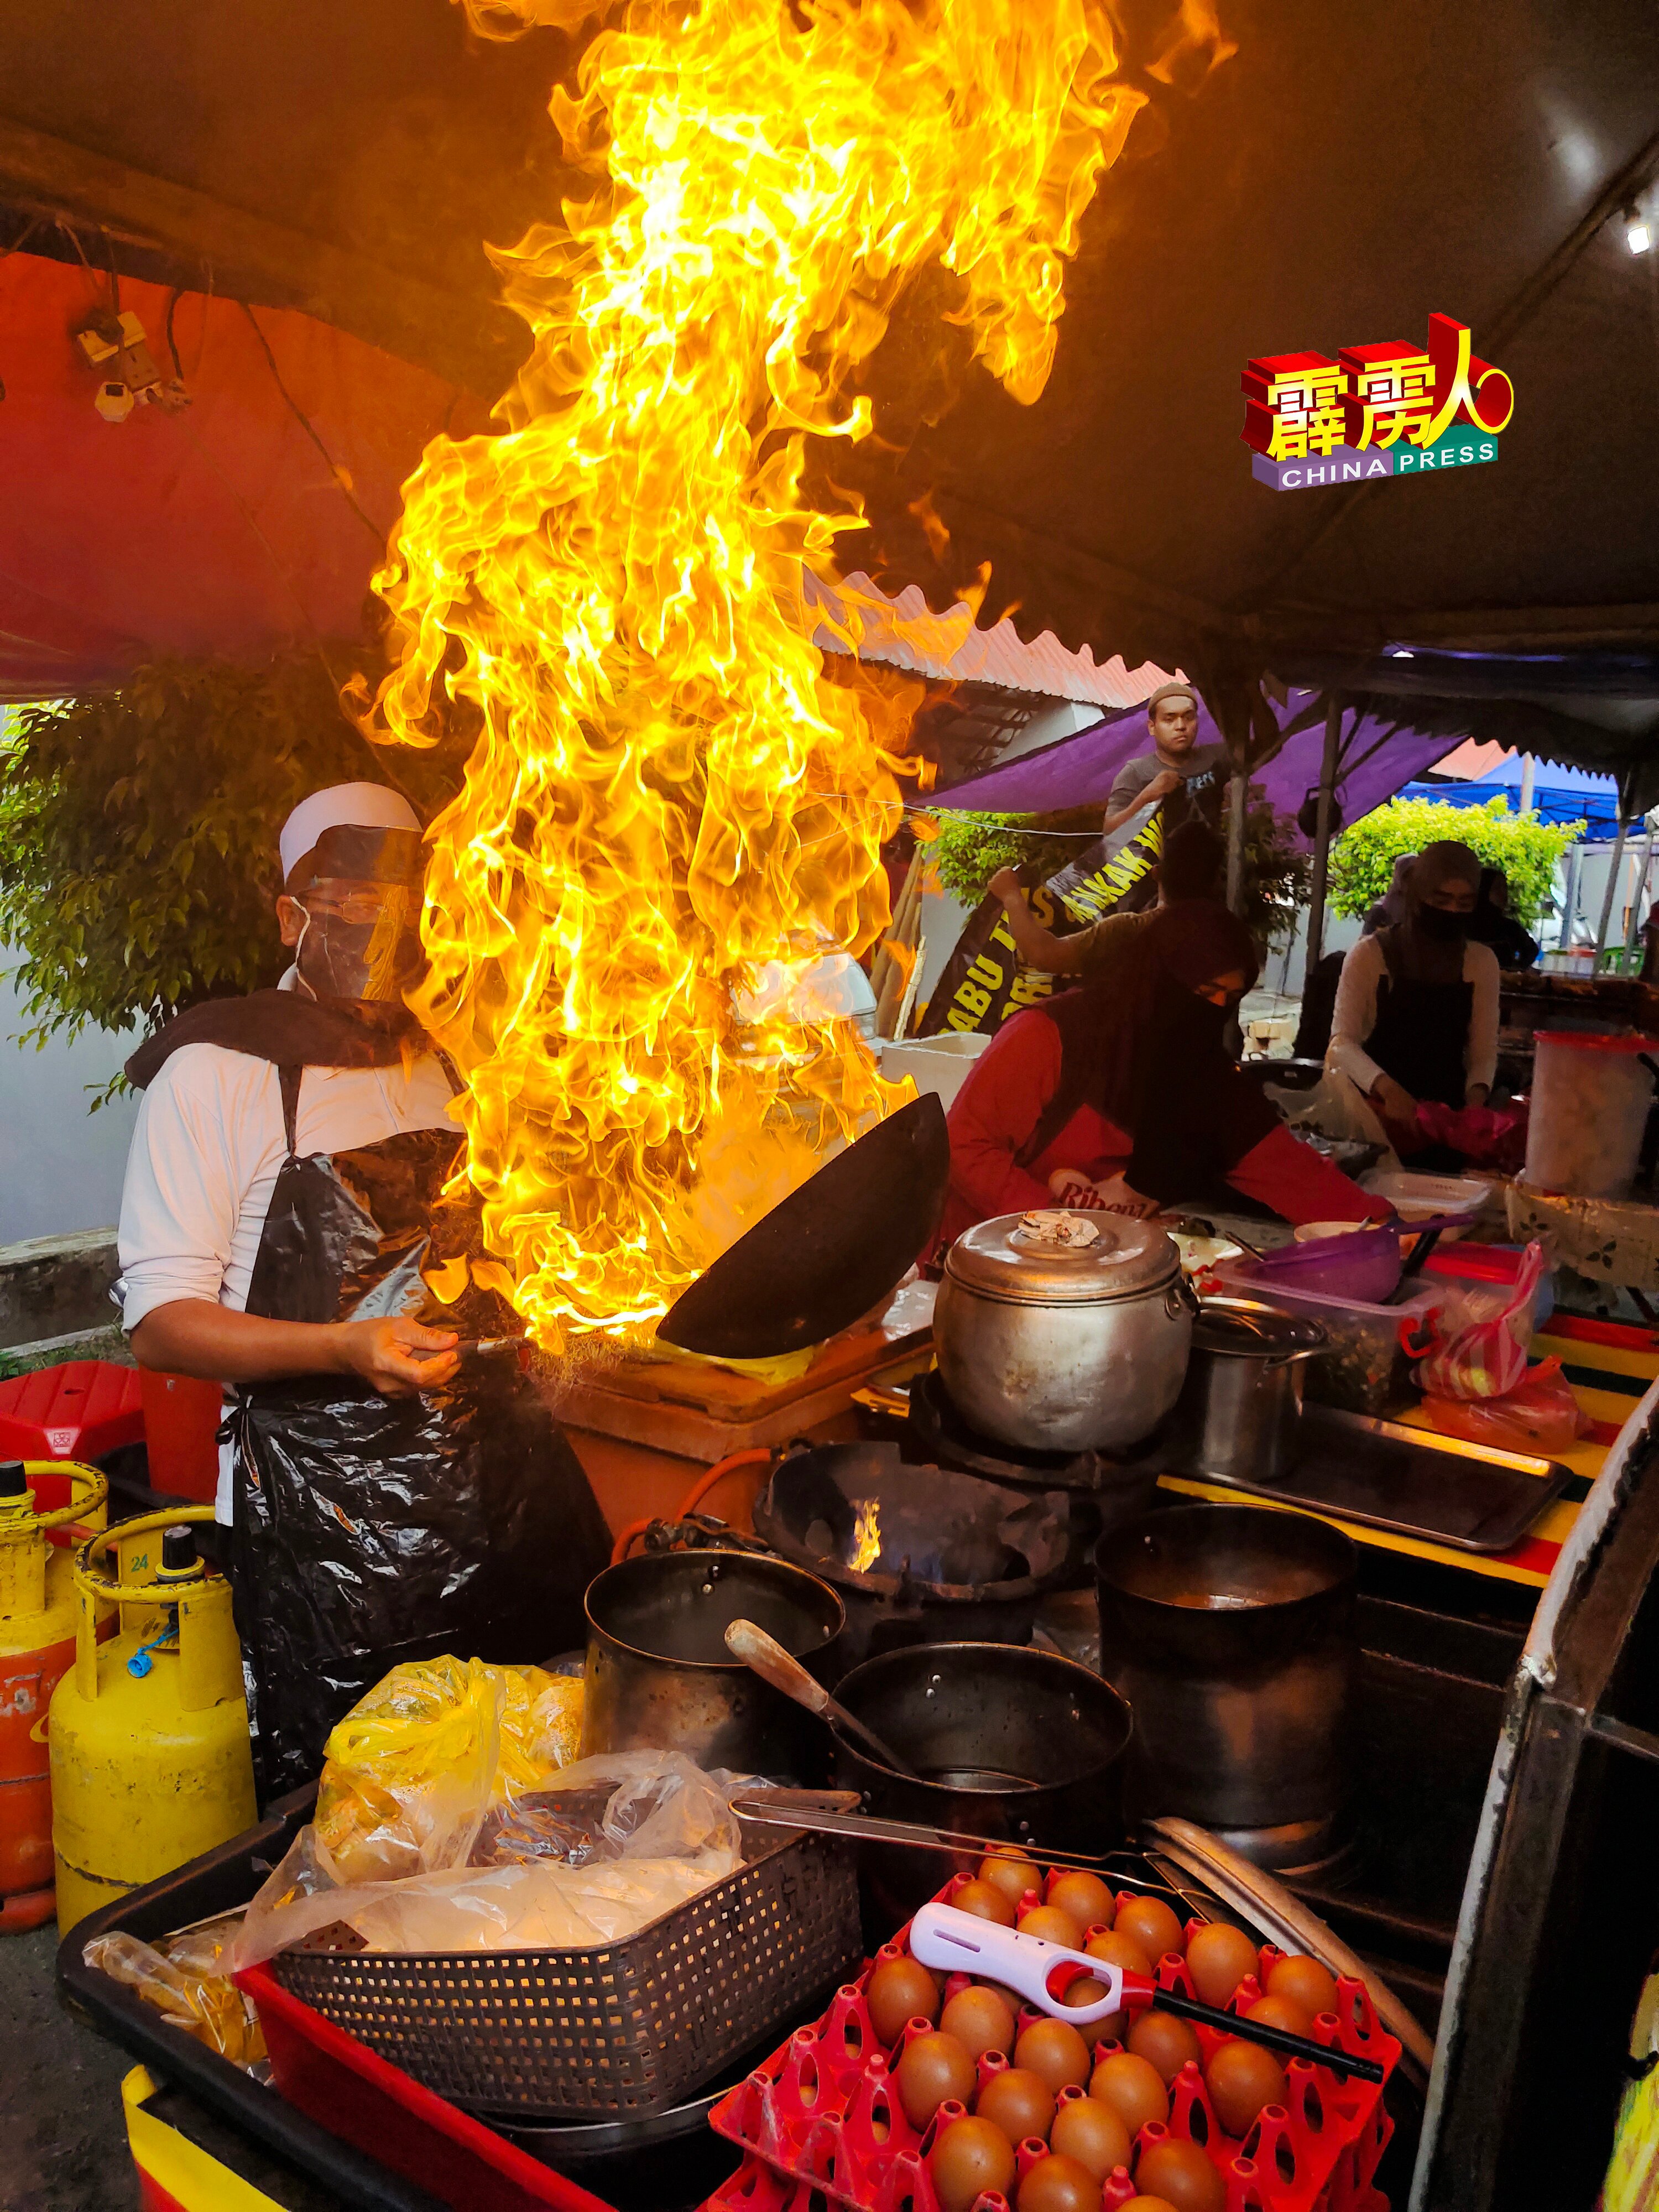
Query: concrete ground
[{"x": 63, "y": 2140}]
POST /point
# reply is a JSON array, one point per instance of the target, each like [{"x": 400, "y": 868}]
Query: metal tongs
[{"x": 820, "y": 1813}]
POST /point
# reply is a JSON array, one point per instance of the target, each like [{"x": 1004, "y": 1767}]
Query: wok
[{"x": 825, "y": 1253}]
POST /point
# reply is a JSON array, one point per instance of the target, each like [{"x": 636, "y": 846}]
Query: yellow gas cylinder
[
  {"x": 150, "y": 1762},
  {"x": 39, "y": 1501}
]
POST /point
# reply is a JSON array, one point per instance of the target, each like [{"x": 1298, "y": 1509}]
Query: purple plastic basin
[{"x": 1365, "y": 1265}]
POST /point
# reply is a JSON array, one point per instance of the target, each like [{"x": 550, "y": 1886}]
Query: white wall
[{"x": 60, "y": 1166}]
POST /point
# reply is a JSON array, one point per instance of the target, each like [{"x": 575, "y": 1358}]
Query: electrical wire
[{"x": 306, "y": 425}]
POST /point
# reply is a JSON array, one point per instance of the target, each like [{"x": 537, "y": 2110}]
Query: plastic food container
[
  {"x": 1590, "y": 1100},
  {"x": 1418, "y": 1197},
  {"x": 1493, "y": 1264},
  {"x": 1364, "y": 1368}
]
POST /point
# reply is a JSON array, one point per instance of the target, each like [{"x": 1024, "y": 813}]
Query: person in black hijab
[{"x": 1492, "y": 923}]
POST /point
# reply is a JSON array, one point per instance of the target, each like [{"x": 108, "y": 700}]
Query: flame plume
[{"x": 665, "y": 795}]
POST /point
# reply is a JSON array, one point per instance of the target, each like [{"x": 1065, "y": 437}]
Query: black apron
[
  {"x": 369, "y": 1530},
  {"x": 1422, "y": 1032}
]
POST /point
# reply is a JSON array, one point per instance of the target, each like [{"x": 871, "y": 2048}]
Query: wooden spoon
[{"x": 769, "y": 1659}]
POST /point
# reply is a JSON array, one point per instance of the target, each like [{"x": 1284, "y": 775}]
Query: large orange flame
[{"x": 665, "y": 798}]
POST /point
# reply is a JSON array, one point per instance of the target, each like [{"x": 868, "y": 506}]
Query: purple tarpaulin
[{"x": 1384, "y": 745}]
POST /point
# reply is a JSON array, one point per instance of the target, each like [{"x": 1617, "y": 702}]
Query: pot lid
[
  {"x": 1248, "y": 1329},
  {"x": 1059, "y": 1256}
]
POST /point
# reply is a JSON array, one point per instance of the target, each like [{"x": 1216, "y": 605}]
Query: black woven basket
[{"x": 623, "y": 2030}]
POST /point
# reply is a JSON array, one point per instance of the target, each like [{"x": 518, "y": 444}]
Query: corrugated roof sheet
[{"x": 905, "y": 632}]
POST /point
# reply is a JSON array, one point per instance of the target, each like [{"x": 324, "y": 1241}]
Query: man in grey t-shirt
[{"x": 1187, "y": 776}]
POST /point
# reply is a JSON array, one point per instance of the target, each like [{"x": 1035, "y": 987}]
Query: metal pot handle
[{"x": 1181, "y": 1294}]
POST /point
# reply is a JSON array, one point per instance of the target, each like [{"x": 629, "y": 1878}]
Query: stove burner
[{"x": 948, "y": 1439}]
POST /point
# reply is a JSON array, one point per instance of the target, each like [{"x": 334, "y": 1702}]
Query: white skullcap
[{"x": 343, "y": 806}]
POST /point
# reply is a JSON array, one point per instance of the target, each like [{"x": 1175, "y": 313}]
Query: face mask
[
  {"x": 1444, "y": 928},
  {"x": 365, "y": 946}
]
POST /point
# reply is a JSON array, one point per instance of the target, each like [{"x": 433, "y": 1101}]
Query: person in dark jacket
[{"x": 1491, "y": 922}]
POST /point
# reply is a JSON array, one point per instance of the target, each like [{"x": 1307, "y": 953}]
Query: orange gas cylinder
[{"x": 37, "y": 1647}]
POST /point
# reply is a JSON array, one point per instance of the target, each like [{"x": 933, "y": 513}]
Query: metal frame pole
[
  {"x": 1633, "y": 926},
  {"x": 1569, "y": 899},
  {"x": 1615, "y": 869},
  {"x": 1321, "y": 853}
]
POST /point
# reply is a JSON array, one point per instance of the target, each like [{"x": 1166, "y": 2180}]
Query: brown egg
[
  {"x": 1053, "y": 1926},
  {"x": 1019, "y": 2102},
  {"x": 1146, "y": 2204},
  {"x": 1093, "y": 2134},
  {"x": 1133, "y": 2087},
  {"x": 1053, "y": 2049},
  {"x": 1011, "y": 1871},
  {"x": 900, "y": 1989},
  {"x": 985, "y": 1902},
  {"x": 1118, "y": 1950},
  {"x": 1167, "y": 2042},
  {"x": 1083, "y": 1991},
  {"x": 981, "y": 2020},
  {"x": 933, "y": 2067},
  {"x": 1085, "y": 1896},
  {"x": 1152, "y": 1926},
  {"x": 1221, "y": 1956},
  {"x": 1242, "y": 2077},
  {"x": 1181, "y": 2172},
  {"x": 1304, "y": 1982},
  {"x": 1057, "y": 2185},
  {"x": 1279, "y": 2012},
  {"x": 969, "y": 2157}
]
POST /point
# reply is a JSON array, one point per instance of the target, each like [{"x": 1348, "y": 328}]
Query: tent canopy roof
[{"x": 1338, "y": 177}]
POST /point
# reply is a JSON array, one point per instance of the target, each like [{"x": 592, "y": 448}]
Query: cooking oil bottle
[{"x": 150, "y": 1763}]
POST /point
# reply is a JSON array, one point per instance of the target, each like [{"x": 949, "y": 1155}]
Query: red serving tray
[
  {"x": 80, "y": 1411},
  {"x": 353, "y": 2093}
]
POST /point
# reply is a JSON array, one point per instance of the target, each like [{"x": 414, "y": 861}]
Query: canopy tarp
[{"x": 1378, "y": 751}]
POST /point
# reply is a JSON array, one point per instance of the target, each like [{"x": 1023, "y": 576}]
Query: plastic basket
[
  {"x": 822, "y": 2126},
  {"x": 623, "y": 2030}
]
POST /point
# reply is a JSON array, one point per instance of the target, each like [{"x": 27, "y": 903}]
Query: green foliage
[
  {"x": 970, "y": 848},
  {"x": 139, "y": 863},
  {"x": 1527, "y": 849}
]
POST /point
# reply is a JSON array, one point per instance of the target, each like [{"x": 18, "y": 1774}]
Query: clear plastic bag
[
  {"x": 188, "y": 1979},
  {"x": 1540, "y": 1415},
  {"x": 1484, "y": 1331},
  {"x": 613, "y": 1844}
]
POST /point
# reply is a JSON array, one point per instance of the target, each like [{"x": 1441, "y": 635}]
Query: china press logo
[{"x": 1377, "y": 411}]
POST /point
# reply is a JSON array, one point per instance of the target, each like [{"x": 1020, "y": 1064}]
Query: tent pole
[
  {"x": 1322, "y": 852},
  {"x": 1527, "y": 766},
  {"x": 1636, "y": 896},
  {"x": 1615, "y": 869}
]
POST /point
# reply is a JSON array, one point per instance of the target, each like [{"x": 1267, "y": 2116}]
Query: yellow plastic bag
[
  {"x": 407, "y": 1773},
  {"x": 415, "y": 1767}
]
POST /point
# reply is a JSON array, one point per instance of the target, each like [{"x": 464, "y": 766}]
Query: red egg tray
[{"x": 821, "y": 2119}]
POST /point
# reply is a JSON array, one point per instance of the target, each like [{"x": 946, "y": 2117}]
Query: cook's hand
[
  {"x": 1005, "y": 886},
  {"x": 1477, "y": 1094},
  {"x": 388, "y": 1354},
  {"x": 1161, "y": 786},
  {"x": 1393, "y": 1099}
]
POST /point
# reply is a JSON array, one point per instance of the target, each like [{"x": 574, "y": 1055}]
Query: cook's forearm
[{"x": 194, "y": 1336}]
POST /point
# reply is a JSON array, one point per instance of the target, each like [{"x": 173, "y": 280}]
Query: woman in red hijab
[{"x": 1127, "y": 1084}]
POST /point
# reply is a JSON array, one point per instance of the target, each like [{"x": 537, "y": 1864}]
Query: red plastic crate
[
  {"x": 820, "y": 2120},
  {"x": 80, "y": 1411},
  {"x": 345, "y": 2088}
]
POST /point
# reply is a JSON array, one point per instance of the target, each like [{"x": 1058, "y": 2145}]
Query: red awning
[{"x": 220, "y": 529}]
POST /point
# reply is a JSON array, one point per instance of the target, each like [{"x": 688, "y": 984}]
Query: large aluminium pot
[
  {"x": 658, "y": 1676},
  {"x": 1007, "y": 1741},
  {"x": 1063, "y": 1347},
  {"x": 1230, "y": 1630},
  {"x": 1239, "y": 1414}
]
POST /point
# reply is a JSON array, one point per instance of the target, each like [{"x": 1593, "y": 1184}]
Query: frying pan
[{"x": 825, "y": 1253}]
